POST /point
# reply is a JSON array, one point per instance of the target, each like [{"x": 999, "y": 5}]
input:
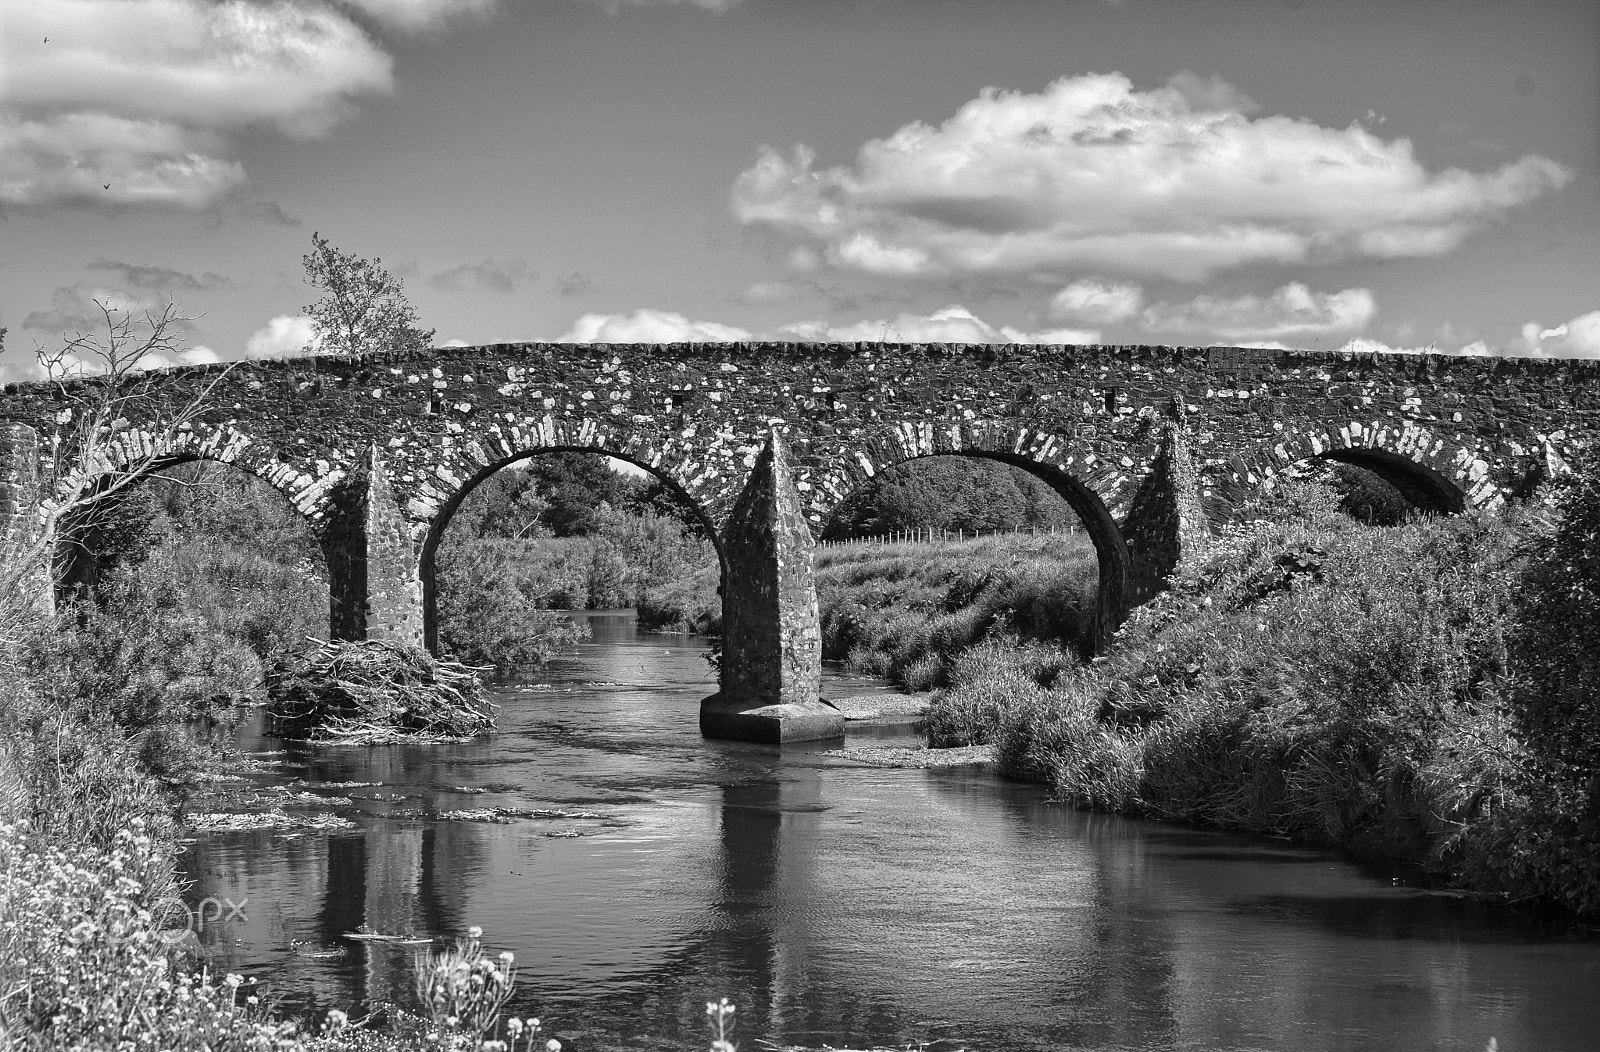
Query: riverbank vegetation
[
  {"x": 909, "y": 611},
  {"x": 1425, "y": 693}
]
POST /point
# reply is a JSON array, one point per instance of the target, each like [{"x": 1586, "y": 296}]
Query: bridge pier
[
  {"x": 374, "y": 587},
  {"x": 33, "y": 588},
  {"x": 771, "y": 682},
  {"x": 1166, "y": 526}
]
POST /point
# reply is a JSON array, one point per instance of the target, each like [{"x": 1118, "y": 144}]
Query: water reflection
[{"x": 844, "y": 905}]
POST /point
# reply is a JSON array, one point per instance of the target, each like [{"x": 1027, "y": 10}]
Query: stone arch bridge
[{"x": 1148, "y": 444}]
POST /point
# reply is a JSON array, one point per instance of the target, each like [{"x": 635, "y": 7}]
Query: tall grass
[{"x": 906, "y": 611}]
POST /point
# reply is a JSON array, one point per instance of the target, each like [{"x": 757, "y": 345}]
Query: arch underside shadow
[
  {"x": 440, "y": 523},
  {"x": 1433, "y": 472},
  {"x": 1422, "y": 487}
]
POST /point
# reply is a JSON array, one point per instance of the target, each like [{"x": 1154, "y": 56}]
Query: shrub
[
  {"x": 83, "y": 966},
  {"x": 486, "y": 620}
]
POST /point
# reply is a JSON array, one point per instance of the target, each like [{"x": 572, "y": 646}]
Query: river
[{"x": 844, "y": 905}]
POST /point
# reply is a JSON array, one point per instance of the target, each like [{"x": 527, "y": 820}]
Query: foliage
[
  {"x": 1422, "y": 692},
  {"x": 363, "y": 306},
  {"x": 689, "y": 603},
  {"x": 486, "y": 617},
  {"x": 1555, "y": 706},
  {"x": 462, "y": 988},
  {"x": 1366, "y": 496},
  {"x": 84, "y": 964},
  {"x": 952, "y": 493},
  {"x": 906, "y": 611}
]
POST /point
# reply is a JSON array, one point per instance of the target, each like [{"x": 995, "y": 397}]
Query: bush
[
  {"x": 486, "y": 620},
  {"x": 82, "y": 965},
  {"x": 1554, "y": 844},
  {"x": 1419, "y": 692}
]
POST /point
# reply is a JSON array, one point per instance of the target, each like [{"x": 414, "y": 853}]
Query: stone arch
[
  {"x": 1431, "y": 470},
  {"x": 139, "y": 451},
  {"x": 474, "y": 451},
  {"x": 1100, "y": 495},
  {"x": 140, "y": 456},
  {"x": 480, "y": 470}
]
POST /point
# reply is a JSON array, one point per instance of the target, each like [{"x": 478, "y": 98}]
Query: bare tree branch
[{"x": 122, "y": 413}]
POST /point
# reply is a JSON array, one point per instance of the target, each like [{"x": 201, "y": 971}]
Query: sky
[{"x": 1365, "y": 174}]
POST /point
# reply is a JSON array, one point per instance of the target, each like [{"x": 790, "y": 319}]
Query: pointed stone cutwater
[
  {"x": 375, "y": 590},
  {"x": 771, "y": 639},
  {"x": 1166, "y": 527}
]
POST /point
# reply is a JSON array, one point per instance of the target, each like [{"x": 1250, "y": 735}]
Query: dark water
[{"x": 848, "y": 906}]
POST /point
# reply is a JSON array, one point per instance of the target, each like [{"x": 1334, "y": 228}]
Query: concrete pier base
[{"x": 798, "y": 721}]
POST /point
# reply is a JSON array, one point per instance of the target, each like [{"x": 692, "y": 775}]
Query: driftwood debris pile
[{"x": 375, "y": 692}]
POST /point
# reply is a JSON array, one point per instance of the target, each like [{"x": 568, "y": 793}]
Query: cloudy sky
[{"x": 1310, "y": 173}]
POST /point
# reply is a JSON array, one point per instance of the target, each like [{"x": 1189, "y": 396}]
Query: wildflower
[
  {"x": 234, "y": 979},
  {"x": 552, "y": 1045},
  {"x": 507, "y": 956},
  {"x": 336, "y": 1019},
  {"x": 514, "y": 1026},
  {"x": 474, "y": 932}
]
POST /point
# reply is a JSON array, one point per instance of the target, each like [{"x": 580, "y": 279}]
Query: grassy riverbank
[
  {"x": 908, "y": 611},
  {"x": 1424, "y": 692}
]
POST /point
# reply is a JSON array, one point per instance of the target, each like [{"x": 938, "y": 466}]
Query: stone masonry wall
[
  {"x": 1090, "y": 417},
  {"x": 697, "y": 413}
]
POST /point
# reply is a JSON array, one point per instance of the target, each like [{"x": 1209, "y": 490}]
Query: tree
[
  {"x": 363, "y": 306},
  {"x": 111, "y": 385}
]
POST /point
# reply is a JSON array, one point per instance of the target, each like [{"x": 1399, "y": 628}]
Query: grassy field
[{"x": 907, "y": 611}]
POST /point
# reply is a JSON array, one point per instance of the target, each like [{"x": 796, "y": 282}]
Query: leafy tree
[
  {"x": 950, "y": 493},
  {"x": 363, "y": 306},
  {"x": 575, "y": 485},
  {"x": 506, "y": 504}
]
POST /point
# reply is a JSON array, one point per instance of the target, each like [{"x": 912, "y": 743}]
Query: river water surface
[{"x": 845, "y": 905}]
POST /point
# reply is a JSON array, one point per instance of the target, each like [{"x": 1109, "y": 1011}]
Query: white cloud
[
  {"x": 295, "y": 65},
  {"x": 952, "y": 324},
  {"x": 1292, "y": 310},
  {"x": 1179, "y": 182},
  {"x": 649, "y": 326},
  {"x": 132, "y": 102},
  {"x": 285, "y": 336},
  {"x": 1096, "y": 302},
  {"x": 412, "y": 16},
  {"x": 1577, "y": 338}
]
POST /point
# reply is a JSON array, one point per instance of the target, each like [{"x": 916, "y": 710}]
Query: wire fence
[{"x": 932, "y": 535}]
